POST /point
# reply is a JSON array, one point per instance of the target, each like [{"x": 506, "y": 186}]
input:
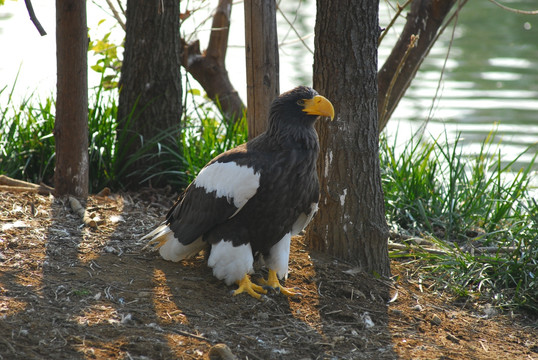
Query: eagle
[{"x": 249, "y": 201}]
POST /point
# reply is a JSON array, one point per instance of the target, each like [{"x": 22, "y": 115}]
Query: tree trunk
[
  {"x": 350, "y": 223},
  {"x": 150, "y": 85},
  {"x": 423, "y": 23},
  {"x": 261, "y": 48},
  {"x": 71, "y": 124}
]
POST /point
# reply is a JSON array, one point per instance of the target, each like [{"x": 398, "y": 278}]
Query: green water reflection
[{"x": 491, "y": 77}]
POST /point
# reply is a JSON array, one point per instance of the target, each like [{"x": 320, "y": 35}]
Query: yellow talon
[
  {"x": 245, "y": 285},
  {"x": 155, "y": 244},
  {"x": 272, "y": 281}
]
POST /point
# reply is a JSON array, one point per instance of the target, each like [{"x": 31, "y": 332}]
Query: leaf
[
  {"x": 194, "y": 92},
  {"x": 98, "y": 68}
]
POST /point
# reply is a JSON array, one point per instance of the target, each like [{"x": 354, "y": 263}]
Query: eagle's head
[{"x": 298, "y": 107}]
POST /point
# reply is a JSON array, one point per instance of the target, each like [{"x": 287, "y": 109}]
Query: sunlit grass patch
[
  {"x": 27, "y": 146},
  {"x": 474, "y": 208}
]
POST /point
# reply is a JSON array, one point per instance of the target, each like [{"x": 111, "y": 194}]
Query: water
[{"x": 491, "y": 76}]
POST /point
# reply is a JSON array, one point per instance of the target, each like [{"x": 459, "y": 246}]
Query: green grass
[
  {"x": 27, "y": 147},
  {"x": 204, "y": 134},
  {"x": 465, "y": 204},
  {"x": 460, "y": 203},
  {"x": 102, "y": 114},
  {"x": 26, "y": 141}
]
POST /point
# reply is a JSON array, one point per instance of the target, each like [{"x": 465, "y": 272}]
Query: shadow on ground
[{"x": 72, "y": 292}]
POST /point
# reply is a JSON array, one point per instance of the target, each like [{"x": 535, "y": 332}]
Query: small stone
[
  {"x": 367, "y": 320},
  {"x": 417, "y": 307},
  {"x": 221, "y": 352},
  {"x": 263, "y": 316},
  {"x": 436, "y": 320}
]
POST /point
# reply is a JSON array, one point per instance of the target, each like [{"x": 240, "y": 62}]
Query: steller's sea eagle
[{"x": 250, "y": 200}]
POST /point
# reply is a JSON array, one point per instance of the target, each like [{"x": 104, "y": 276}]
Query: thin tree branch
[
  {"x": 425, "y": 19},
  {"x": 36, "y": 22},
  {"x": 301, "y": 39},
  {"x": 209, "y": 68},
  {"x": 220, "y": 28},
  {"x": 394, "y": 18},
  {"x": 412, "y": 43},
  {"x": 517, "y": 11},
  {"x": 116, "y": 14},
  {"x": 435, "y": 97}
]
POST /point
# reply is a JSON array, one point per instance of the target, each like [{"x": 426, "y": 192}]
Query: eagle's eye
[{"x": 301, "y": 102}]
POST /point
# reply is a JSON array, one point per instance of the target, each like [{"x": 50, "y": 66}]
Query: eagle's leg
[
  {"x": 245, "y": 285},
  {"x": 272, "y": 281}
]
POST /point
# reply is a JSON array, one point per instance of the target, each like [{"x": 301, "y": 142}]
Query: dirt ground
[{"x": 69, "y": 291}]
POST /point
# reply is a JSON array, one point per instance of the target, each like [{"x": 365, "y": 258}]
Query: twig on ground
[
  {"x": 184, "y": 333},
  {"x": 402, "y": 247},
  {"x": 14, "y": 185},
  {"x": 408, "y": 247},
  {"x": 77, "y": 207}
]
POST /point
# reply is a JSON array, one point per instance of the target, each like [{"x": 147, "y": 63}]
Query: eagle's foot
[
  {"x": 273, "y": 283},
  {"x": 245, "y": 285},
  {"x": 155, "y": 244}
]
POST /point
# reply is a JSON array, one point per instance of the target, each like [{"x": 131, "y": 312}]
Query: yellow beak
[{"x": 319, "y": 105}]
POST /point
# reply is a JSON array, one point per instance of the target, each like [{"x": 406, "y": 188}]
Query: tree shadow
[
  {"x": 91, "y": 293},
  {"x": 67, "y": 291}
]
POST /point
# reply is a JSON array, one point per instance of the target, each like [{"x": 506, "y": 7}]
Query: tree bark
[
  {"x": 150, "y": 85},
  {"x": 423, "y": 21},
  {"x": 261, "y": 48},
  {"x": 209, "y": 68},
  {"x": 350, "y": 223},
  {"x": 71, "y": 124}
]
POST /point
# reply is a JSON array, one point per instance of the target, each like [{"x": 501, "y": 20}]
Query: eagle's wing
[{"x": 220, "y": 191}]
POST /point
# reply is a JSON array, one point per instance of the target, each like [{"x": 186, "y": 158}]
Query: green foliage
[
  {"x": 204, "y": 134},
  {"x": 102, "y": 114},
  {"x": 108, "y": 63},
  {"x": 26, "y": 141},
  {"x": 27, "y": 145},
  {"x": 464, "y": 204}
]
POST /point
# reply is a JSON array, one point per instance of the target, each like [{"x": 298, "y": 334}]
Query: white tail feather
[{"x": 170, "y": 248}]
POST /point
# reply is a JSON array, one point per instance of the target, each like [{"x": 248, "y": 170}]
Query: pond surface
[{"x": 490, "y": 77}]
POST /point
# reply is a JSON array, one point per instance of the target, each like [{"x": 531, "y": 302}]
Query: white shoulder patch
[
  {"x": 237, "y": 183},
  {"x": 230, "y": 263}
]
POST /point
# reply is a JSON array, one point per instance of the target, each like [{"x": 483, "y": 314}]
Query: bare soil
[{"x": 69, "y": 291}]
